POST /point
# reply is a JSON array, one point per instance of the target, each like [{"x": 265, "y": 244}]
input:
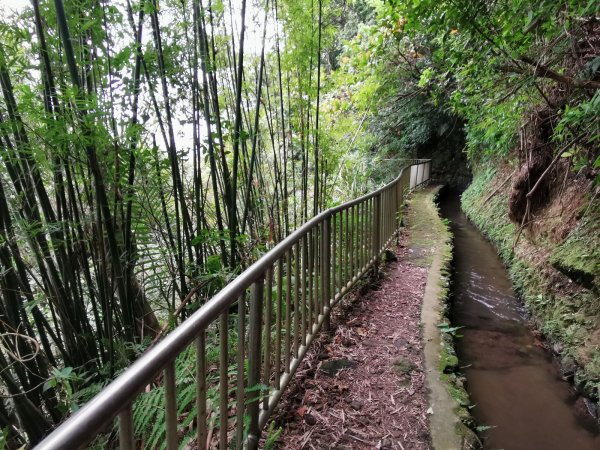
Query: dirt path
[{"x": 364, "y": 387}]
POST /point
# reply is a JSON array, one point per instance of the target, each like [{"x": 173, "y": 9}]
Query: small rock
[
  {"x": 356, "y": 405},
  {"x": 310, "y": 419},
  {"x": 332, "y": 366},
  {"x": 591, "y": 407},
  {"x": 557, "y": 348},
  {"x": 568, "y": 366},
  {"x": 386, "y": 443},
  {"x": 347, "y": 342},
  {"x": 401, "y": 343},
  {"x": 430, "y": 410},
  {"x": 390, "y": 256}
]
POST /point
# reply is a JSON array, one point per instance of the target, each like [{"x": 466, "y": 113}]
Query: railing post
[
  {"x": 254, "y": 357},
  {"x": 126, "y": 429},
  {"x": 397, "y": 209},
  {"x": 171, "y": 406},
  {"x": 376, "y": 233},
  {"x": 326, "y": 267},
  {"x": 428, "y": 171}
]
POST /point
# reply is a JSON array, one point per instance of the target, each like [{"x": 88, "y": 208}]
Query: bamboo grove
[{"x": 149, "y": 151}]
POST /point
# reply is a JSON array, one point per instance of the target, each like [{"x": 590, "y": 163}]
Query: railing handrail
[{"x": 84, "y": 424}]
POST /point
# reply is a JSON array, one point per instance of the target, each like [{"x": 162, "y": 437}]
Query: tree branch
[{"x": 544, "y": 71}]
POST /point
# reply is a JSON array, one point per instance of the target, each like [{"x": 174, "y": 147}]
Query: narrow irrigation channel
[{"x": 513, "y": 382}]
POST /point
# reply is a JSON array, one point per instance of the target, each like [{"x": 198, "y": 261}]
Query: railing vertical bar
[
  {"x": 223, "y": 377},
  {"x": 304, "y": 285},
  {"x": 371, "y": 226},
  {"x": 297, "y": 331},
  {"x": 384, "y": 220},
  {"x": 317, "y": 275},
  {"x": 396, "y": 206},
  {"x": 368, "y": 231},
  {"x": 392, "y": 228},
  {"x": 358, "y": 243},
  {"x": 340, "y": 278},
  {"x": 170, "y": 406},
  {"x": 126, "y": 428},
  {"x": 278, "y": 318},
  {"x": 398, "y": 210},
  {"x": 201, "y": 390},
  {"x": 391, "y": 213},
  {"x": 363, "y": 227},
  {"x": 267, "y": 350},
  {"x": 359, "y": 238},
  {"x": 240, "y": 395},
  {"x": 386, "y": 212},
  {"x": 311, "y": 268},
  {"x": 376, "y": 231},
  {"x": 326, "y": 268},
  {"x": 288, "y": 306},
  {"x": 333, "y": 253},
  {"x": 347, "y": 247},
  {"x": 387, "y": 216},
  {"x": 317, "y": 278},
  {"x": 352, "y": 240},
  {"x": 254, "y": 347}
]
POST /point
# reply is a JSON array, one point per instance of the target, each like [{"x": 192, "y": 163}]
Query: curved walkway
[{"x": 364, "y": 385}]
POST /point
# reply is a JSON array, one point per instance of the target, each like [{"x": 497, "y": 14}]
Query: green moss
[
  {"x": 457, "y": 392},
  {"x": 404, "y": 366},
  {"x": 470, "y": 438},
  {"x": 579, "y": 256}
]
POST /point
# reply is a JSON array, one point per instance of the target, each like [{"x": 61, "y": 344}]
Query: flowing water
[{"x": 515, "y": 384}]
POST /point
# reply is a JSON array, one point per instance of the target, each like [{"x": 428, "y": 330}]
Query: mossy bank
[{"x": 554, "y": 262}]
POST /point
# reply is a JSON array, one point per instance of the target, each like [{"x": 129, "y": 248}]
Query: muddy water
[{"x": 514, "y": 383}]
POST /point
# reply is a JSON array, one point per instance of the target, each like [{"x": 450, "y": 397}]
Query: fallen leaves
[{"x": 367, "y": 405}]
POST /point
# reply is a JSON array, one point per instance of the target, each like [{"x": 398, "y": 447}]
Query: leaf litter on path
[{"x": 362, "y": 385}]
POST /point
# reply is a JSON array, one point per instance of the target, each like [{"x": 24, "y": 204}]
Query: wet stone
[
  {"x": 568, "y": 366},
  {"x": 333, "y": 366},
  {"x": 386, "y": 443},
  {"x": 356, "y": 405},
  {"x": 402, "y": 343},
  {"x": 390, "y": 256},
  {"x": 310, "y": 419}
]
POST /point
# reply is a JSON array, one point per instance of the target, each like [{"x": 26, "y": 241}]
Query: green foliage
[
  {"x": 149, "y": 407},
  {"x": 63, "y": 380},
  {"x": 3, "y": 438},
  {"x": 469, "y": 57},
  {"x": 273, "y": 435}
]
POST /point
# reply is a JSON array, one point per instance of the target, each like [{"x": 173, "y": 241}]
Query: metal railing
[{"x": 282, "y": 300}]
